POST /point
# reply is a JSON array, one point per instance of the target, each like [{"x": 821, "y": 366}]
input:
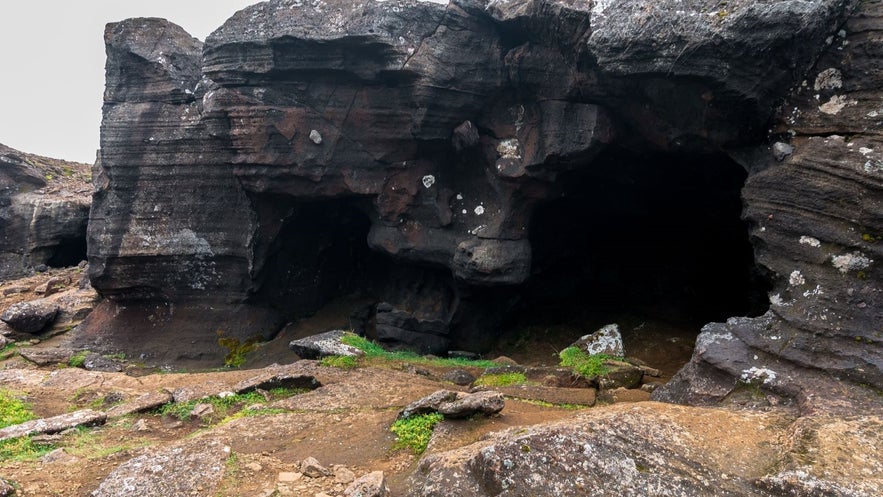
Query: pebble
[{"x": 289, "y": 477}]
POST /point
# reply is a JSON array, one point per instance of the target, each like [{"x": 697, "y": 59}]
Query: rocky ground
[{"x": 541, "y": 443}]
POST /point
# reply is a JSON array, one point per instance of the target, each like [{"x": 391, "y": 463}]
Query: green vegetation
[
  {"x": 8, "y": 351},
  {"x": 23, "y": 449},
  {"x": 376, "y": 352},
  {"x": 237, "y": 350},
  {"x": 83, "y": 442},
  {"x": 13, "y": 410},
  {"x": 340, "y": 361},
  {"x": 589, "y": 366},
  {"x": 501, "y": 380},
  {"x": 77, "y": 360},
  {"x": 229, "y": 407},
  {"x": 414, "y": 432}
]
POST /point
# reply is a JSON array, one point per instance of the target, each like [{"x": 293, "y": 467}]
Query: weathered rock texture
[
  {"x": 816, "y": 223},
  {"x": 402, "y": 148},
  {"x": 44, "y": 208}
]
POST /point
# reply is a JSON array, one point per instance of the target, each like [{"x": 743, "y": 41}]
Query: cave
[
  {"x": 310, "y": 252},
  {"x": 69, "y": 252},
  {"x": 652, "y": 241}
]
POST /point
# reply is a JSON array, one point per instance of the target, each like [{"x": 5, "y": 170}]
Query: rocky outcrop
[
  {"x": 420, "y": 153},
  {"x": 44, "y": 208},
  {"x": 819, "y": 237},
  {"x": 658, "y": 449}
]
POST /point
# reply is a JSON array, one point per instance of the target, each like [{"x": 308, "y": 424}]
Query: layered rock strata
[{"x": 402, "y": 149}]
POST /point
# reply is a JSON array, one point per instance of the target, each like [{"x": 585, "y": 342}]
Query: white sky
[{"x": 52, "y": 66}]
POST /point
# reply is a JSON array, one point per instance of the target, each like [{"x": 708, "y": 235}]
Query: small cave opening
[
  {"x": 316, "y": 252},
  {"x": 652, "y": 242},
  {"x": 69, "y": 252}
]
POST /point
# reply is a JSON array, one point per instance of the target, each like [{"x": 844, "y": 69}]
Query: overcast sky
[{"x": 52, "y": 56}]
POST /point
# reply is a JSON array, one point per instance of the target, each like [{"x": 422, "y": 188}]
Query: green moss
[
  {"x": 589, "y": 366},
  {"x": 236, "y": 349},
  {"x": 340, "y": 361},
  {"x": 501, "y": 380},
  {"x": 414, "y": 432},
  {"x": 375, "y": 351}
]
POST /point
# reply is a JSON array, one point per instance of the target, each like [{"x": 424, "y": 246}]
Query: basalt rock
[
  {"x": 420, "y": 153},
  {"x": 819, "y": 237},
  {"x": 44, "y": 208}
]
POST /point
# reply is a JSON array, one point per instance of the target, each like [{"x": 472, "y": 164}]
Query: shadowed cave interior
[{"x": 653, "y": 242}]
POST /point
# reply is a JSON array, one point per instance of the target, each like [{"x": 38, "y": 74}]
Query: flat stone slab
[
  {"x": 46, "y": 357},
  {"x": 195, "y": 467},
  {"x": 142, "y": 403},
  {"x": 552, "y": 395},
  {"x": 268, "y": 380},
  {"x": 55, "y": 424},
  {"x": 323, "y": 345}
]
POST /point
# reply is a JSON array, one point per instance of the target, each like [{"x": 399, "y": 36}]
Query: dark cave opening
[
  {"x": 643, "y": 238},
  {"x": 317, "y": 251},
  {"x": 69, "y": 252}
]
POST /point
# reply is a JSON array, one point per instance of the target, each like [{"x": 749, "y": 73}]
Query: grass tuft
[
  {"x": 13, "y": 410},
  {"x": 414, "y": 432},
  {"x": 340, "y": 361},
  {"x": 589, "y": 366}
]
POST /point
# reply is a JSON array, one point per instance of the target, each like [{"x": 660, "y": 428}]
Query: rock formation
[
  {"x": 452, "y": 160},
  {"x": 44, "y": 208}
]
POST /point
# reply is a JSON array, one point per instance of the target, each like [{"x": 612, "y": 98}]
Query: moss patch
[{"x": 414, "y": 432}]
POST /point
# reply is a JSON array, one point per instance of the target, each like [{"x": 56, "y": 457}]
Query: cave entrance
[
  {"x": 69, "y": 252},
  {"x": 653, "y": 242},
  {"x": 311, "y": 253}
]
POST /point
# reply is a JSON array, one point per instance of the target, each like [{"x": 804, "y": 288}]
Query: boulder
[
  {"x": 324, "y": 344},
  {"x": 371, "y": 485},
  {"x": 30, "y": 317},
  {"x": 607, "y": 341},
  {"x": 454, "y": 405},
  {"x": 312, "y": 468}
]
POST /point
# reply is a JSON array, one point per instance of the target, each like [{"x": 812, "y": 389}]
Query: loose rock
[
  {"x": 312, "y": 468},
  {"x": 6, "y": 490},
  {"x": 371, "y": 485},
  {"x": 324, "y": 344},
  {"x": 30, "y": 317},
  {"x": 606, "y": 341},
  {"x": 456, "y": 404},
  {"x": 55, "y": 424}
]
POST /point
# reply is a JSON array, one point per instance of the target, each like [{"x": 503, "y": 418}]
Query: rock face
[
  {"x": 44, "y": 208},
  {"x": 819, "y": 237},
  {"x": 426, "y": 154}
]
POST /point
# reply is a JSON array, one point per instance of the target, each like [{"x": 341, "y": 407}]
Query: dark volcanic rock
[
  {"x": 30, "y": 317},
  {"x": 44, "y": 208},
  {"x": 819, "y": 237},
  {"x": 405, "y": 150}
]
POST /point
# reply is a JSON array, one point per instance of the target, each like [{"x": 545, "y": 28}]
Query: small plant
[
  {"x": 23, "y": 449},
  {"x": 414, "y": 432},
  {"x": 13, "y": 410},
  {"x": 237, "y": 350},
  {"x": 340, "y": 361},
  {"x": 77, "y": 360},
  {"x": 589, "y": 366},
  {"x": 501, "y": 380},
  {"x": 228, "y": 406},
  {"x": 8, "y": 351}
]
